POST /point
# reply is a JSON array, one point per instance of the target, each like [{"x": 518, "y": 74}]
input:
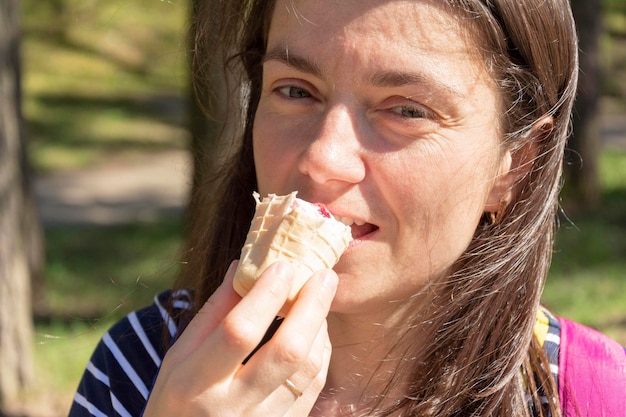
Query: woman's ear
[
  {"x": 515, "y": 164},
  {"x": 501, "y": 193}
]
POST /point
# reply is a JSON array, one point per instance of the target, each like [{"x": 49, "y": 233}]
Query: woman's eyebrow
[
  {"x": 402, "y": 78},
  {"x": 281, "y": 53}
]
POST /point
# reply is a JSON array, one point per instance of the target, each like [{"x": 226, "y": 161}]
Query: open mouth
[
  {"x": 359, "y": 228},
  {"x": 358, "y": 231}
]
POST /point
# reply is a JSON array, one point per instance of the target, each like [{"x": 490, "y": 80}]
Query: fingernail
[{"x": 232, "y": 268}]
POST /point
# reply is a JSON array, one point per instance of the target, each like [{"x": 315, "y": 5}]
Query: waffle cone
[{"x": 287, "y": 228}]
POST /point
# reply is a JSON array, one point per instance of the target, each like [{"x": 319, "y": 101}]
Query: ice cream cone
[{"x": 288, "y": 228}]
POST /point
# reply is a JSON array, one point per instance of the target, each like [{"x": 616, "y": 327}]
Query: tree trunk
[
  {"x": 582, "y": 186},
  {"x": 20, "y": 233}
]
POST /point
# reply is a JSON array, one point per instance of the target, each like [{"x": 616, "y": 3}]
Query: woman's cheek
[{"x": 275, "y": 152}]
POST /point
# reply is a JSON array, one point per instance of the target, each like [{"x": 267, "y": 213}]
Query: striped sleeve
[{"x": 119, "y": 376}]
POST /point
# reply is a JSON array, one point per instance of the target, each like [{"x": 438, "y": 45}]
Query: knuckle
[
  {"x": 293, "y": 353},
  {"x": 239, "y": 334}
]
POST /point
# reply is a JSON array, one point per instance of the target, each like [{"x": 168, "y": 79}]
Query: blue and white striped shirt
[{"x": 119, "y": 377}]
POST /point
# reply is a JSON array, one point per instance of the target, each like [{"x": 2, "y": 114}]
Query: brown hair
[{"x": 480, "y": 317}]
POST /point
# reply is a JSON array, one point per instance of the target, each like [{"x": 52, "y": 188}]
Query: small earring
[{"x": 496, "y": 216}]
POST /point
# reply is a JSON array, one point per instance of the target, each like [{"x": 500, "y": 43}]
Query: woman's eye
[
  {"x": 294, "y": 92},
  {"x": 410, "y": 111}
]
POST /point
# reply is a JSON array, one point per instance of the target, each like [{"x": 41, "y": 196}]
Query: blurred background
[{"x": 107, "y": 135}]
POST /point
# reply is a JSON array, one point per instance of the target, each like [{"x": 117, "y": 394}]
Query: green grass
[{"x": 97, "y": 272}]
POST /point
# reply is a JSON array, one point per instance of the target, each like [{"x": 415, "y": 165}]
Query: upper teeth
[{"x": 349, "y": 221}]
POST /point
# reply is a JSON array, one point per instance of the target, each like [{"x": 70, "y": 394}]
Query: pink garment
[{"x": 592, "y": 373}]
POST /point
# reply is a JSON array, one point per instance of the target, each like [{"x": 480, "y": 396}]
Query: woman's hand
[{"x": 202, "y": 374}]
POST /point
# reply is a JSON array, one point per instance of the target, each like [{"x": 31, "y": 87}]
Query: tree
[
  {"x": 582, "y": 186},
  {"x": 20, "y": 233}
]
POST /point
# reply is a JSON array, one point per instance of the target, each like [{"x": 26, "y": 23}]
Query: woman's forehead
[
  {"x": 392, "y": 24},
  {"x": 402, "y": 15},
  {"x": 375, "y": 34}
]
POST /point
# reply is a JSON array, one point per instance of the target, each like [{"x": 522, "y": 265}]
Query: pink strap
[{"x": 592, "y": 373}]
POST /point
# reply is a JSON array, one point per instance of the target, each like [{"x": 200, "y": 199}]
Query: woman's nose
[{"x": 334, "y": 152}]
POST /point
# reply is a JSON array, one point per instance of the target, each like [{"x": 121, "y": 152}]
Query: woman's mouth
[{"x": 359, "y": 228}]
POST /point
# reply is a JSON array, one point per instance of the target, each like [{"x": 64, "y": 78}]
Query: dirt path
[{"x": 141, "y": 189}]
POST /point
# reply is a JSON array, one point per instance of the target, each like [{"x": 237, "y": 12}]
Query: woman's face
[{"x": 383, "y": 111}]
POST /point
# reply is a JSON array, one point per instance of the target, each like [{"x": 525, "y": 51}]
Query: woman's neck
[{"x": 361, "y": 365}]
